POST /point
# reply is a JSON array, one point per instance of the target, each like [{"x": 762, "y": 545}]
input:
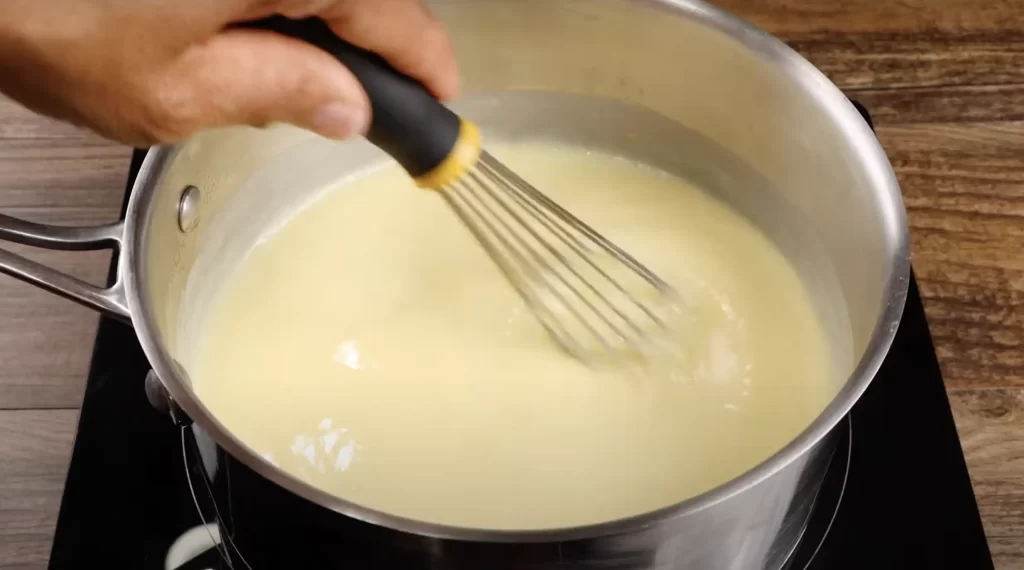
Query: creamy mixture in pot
[{"x": 372, "y": 349}]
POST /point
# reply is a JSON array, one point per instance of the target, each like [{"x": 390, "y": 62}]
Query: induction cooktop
[{"x": 897, "y": 495}]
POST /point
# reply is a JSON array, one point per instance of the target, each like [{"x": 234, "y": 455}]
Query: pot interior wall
[{"x": 643, "y": 79}]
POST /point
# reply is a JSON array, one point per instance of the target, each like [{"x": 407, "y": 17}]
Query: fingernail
[{"x": 340, "y": 120}]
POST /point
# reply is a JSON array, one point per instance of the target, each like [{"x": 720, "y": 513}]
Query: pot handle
[{"x": 109, "y": 300}]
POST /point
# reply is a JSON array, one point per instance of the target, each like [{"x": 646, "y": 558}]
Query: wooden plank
[
  {"x": 16, "y": 122},
  {"x": 963, "y": 185},
  {"x": 34, "y": 453},
  {"x": 990, "y": 424},
  {"x": 966, "y": 104},
  {"x": 907, "y": 43},
  {"x": 53, "y": 175},
  {"x": 45, "y": 341},
  {"x": 930, "y": 58},
  {"x": 790, "y": 17}
]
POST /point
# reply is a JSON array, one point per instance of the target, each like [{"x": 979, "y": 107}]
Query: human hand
[{"x": 155, "y": 71}]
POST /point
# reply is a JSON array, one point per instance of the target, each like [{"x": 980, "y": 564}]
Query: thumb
[{"x": 256, "y": 78}]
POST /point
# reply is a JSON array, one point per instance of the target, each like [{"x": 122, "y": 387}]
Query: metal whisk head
[{"x": 593, "y": 298}]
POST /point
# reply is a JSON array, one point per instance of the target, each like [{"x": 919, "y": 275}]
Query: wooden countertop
[{"x": 944, "y": 80}]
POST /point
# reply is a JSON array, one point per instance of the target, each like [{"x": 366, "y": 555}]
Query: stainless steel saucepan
[{"x": 676, "y": 83}]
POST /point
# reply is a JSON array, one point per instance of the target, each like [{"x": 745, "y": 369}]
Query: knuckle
[
  {"x": 436, "y": 56},
  {"x": 168, "y": 115},
  {"x": 435, "y": 42}
]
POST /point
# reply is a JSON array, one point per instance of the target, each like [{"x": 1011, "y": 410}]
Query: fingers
[
  {"x": 403, "y": 32},
  {"x": 179, "y": 72},
  {"x": 254, "y": 77}
]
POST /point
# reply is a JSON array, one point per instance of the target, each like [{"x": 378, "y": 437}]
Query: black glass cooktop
[{"x": 906, "y": 499}]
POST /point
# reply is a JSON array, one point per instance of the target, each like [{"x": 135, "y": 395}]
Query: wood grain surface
[
  {"x": 34, "y": 446},
  {"x": 944, "y": 80}
]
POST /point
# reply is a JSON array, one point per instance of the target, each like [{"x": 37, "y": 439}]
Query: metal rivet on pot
[
  {"x": 188, "y": 209},
  {"x": 157, "y": 394},
  {"x": 162, "y": 401}
]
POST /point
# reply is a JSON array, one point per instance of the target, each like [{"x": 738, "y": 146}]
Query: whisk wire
[
  {"x": 523, "y": 197},
  {"x": 561, "y": 258},
  {"x": 568, "y": 239},
  {"x": 473, "y": 217},
  {"x": 546, "y": 270},
  {"x": 488, "y": 161},
  {"x": 546, "y": 253}
]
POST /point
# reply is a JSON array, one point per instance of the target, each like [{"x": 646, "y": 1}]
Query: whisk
[{"x": 594, "y": 299}]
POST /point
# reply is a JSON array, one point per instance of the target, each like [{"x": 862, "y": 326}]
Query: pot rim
[{"x": 776, "y": 53}]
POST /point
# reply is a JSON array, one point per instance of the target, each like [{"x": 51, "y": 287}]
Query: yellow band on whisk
[{"x": 459, "y": 161}]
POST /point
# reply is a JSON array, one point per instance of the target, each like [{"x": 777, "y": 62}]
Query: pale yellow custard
[{"x": 371, "y": 348}]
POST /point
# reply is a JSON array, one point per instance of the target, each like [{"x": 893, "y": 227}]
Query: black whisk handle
[{"x": 408, "y": 122}]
